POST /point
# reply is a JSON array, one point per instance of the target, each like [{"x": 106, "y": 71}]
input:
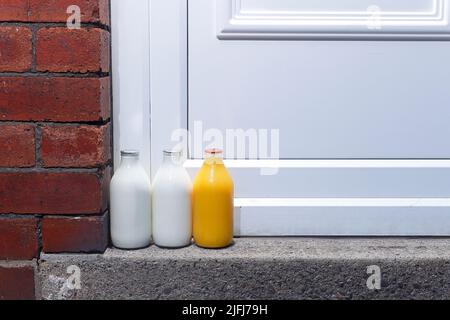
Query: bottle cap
[
  {"x": 172, "y": 152},
  {"x": 130, "y": 153},
  {"x": 214, "y": 151}
]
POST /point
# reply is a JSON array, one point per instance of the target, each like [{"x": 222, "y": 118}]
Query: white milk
[
  {"x": 130, "y": 204},
  {"x": 172, "y": 198}
]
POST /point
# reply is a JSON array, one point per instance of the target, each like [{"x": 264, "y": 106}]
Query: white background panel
[{"x": 330, "y": 99}]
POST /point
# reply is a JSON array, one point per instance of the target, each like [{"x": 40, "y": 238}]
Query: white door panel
[
  {"x": 353, "y": 111},
  {"x": 342, "y": 217},
  {"x": 338, "y": 179},
  {"x": 333, "y": 6},
  {"x": 330, "y": 99},
  {"x": 351, "y": 19}
]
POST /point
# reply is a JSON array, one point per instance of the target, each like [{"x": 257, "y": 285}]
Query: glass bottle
[
  {"x": 213, "y": 203},
  {"x": 172, "y": 203},
  {"x": 130, "y": 204}
]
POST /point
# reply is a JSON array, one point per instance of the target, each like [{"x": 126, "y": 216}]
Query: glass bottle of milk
[
  {"x": 172, "y": 203},
  {"x": 130, "y": 204}
]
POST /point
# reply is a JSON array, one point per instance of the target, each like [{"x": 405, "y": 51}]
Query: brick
[
  {"x": 15, "y": 49},
  {"x": 75, "y": 146},
  {"x": 65, "y": 50},
  {"x": 72, "y": 235},
  {"x": 14, "y": 10},
  {"x": 54, "y": 99},
  {"x": 17, "y": 146},
  {"x": 18, "y": 238},
  {"x": 17, "y": 283},
  {"x": 92, "y": 11},
  {"x": 52, "y": 193}
]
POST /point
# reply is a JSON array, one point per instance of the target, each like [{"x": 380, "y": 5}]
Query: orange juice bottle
[{"x": 213, "y": 203}]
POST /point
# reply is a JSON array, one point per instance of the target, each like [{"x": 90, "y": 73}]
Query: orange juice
[{"x": 213, "y": 203}]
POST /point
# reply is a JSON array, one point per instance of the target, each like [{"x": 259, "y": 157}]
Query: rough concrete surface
[{"x": 259, "y": 268}]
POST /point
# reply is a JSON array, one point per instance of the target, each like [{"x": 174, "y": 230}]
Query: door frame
[
  {"x": 149, "y": 56},
  {"x": 150, "y": 94}
]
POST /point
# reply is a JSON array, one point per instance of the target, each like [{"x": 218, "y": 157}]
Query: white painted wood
[
  {"x": 168, "y": 65},
  {"x": 338, "y": 178},
  {"x": 375, "y": 109},
  {"x": 149, "y": 55},
  {"x": 131, "y": 75},
  {"x": 352, "y": 19},
  {"x": 330, "y": 99},
  {"x": 342, "y": 217},
  {"x": 343, "y": 202},
  {"x": 240, "y": 83},
  {"x": 320, "y": 163}
]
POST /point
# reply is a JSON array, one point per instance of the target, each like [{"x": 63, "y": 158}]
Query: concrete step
[{"x": 257, "y": 268}]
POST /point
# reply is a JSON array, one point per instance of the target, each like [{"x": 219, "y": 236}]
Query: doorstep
[{"x": 258, "y": 268}]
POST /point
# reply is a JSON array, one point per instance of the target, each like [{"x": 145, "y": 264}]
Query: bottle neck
[
  {"x": 129, "y": 161},
  {"x": 172, "y": 159},
  {"x": 212, "y": 159}
]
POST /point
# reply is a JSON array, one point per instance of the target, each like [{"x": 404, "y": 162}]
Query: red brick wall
[{"x": 55, "y": 135}]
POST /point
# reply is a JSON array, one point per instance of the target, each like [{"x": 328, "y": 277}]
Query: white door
[
  {"x": 358, "y": 89},
  {"x": 360, "y": 93}
]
